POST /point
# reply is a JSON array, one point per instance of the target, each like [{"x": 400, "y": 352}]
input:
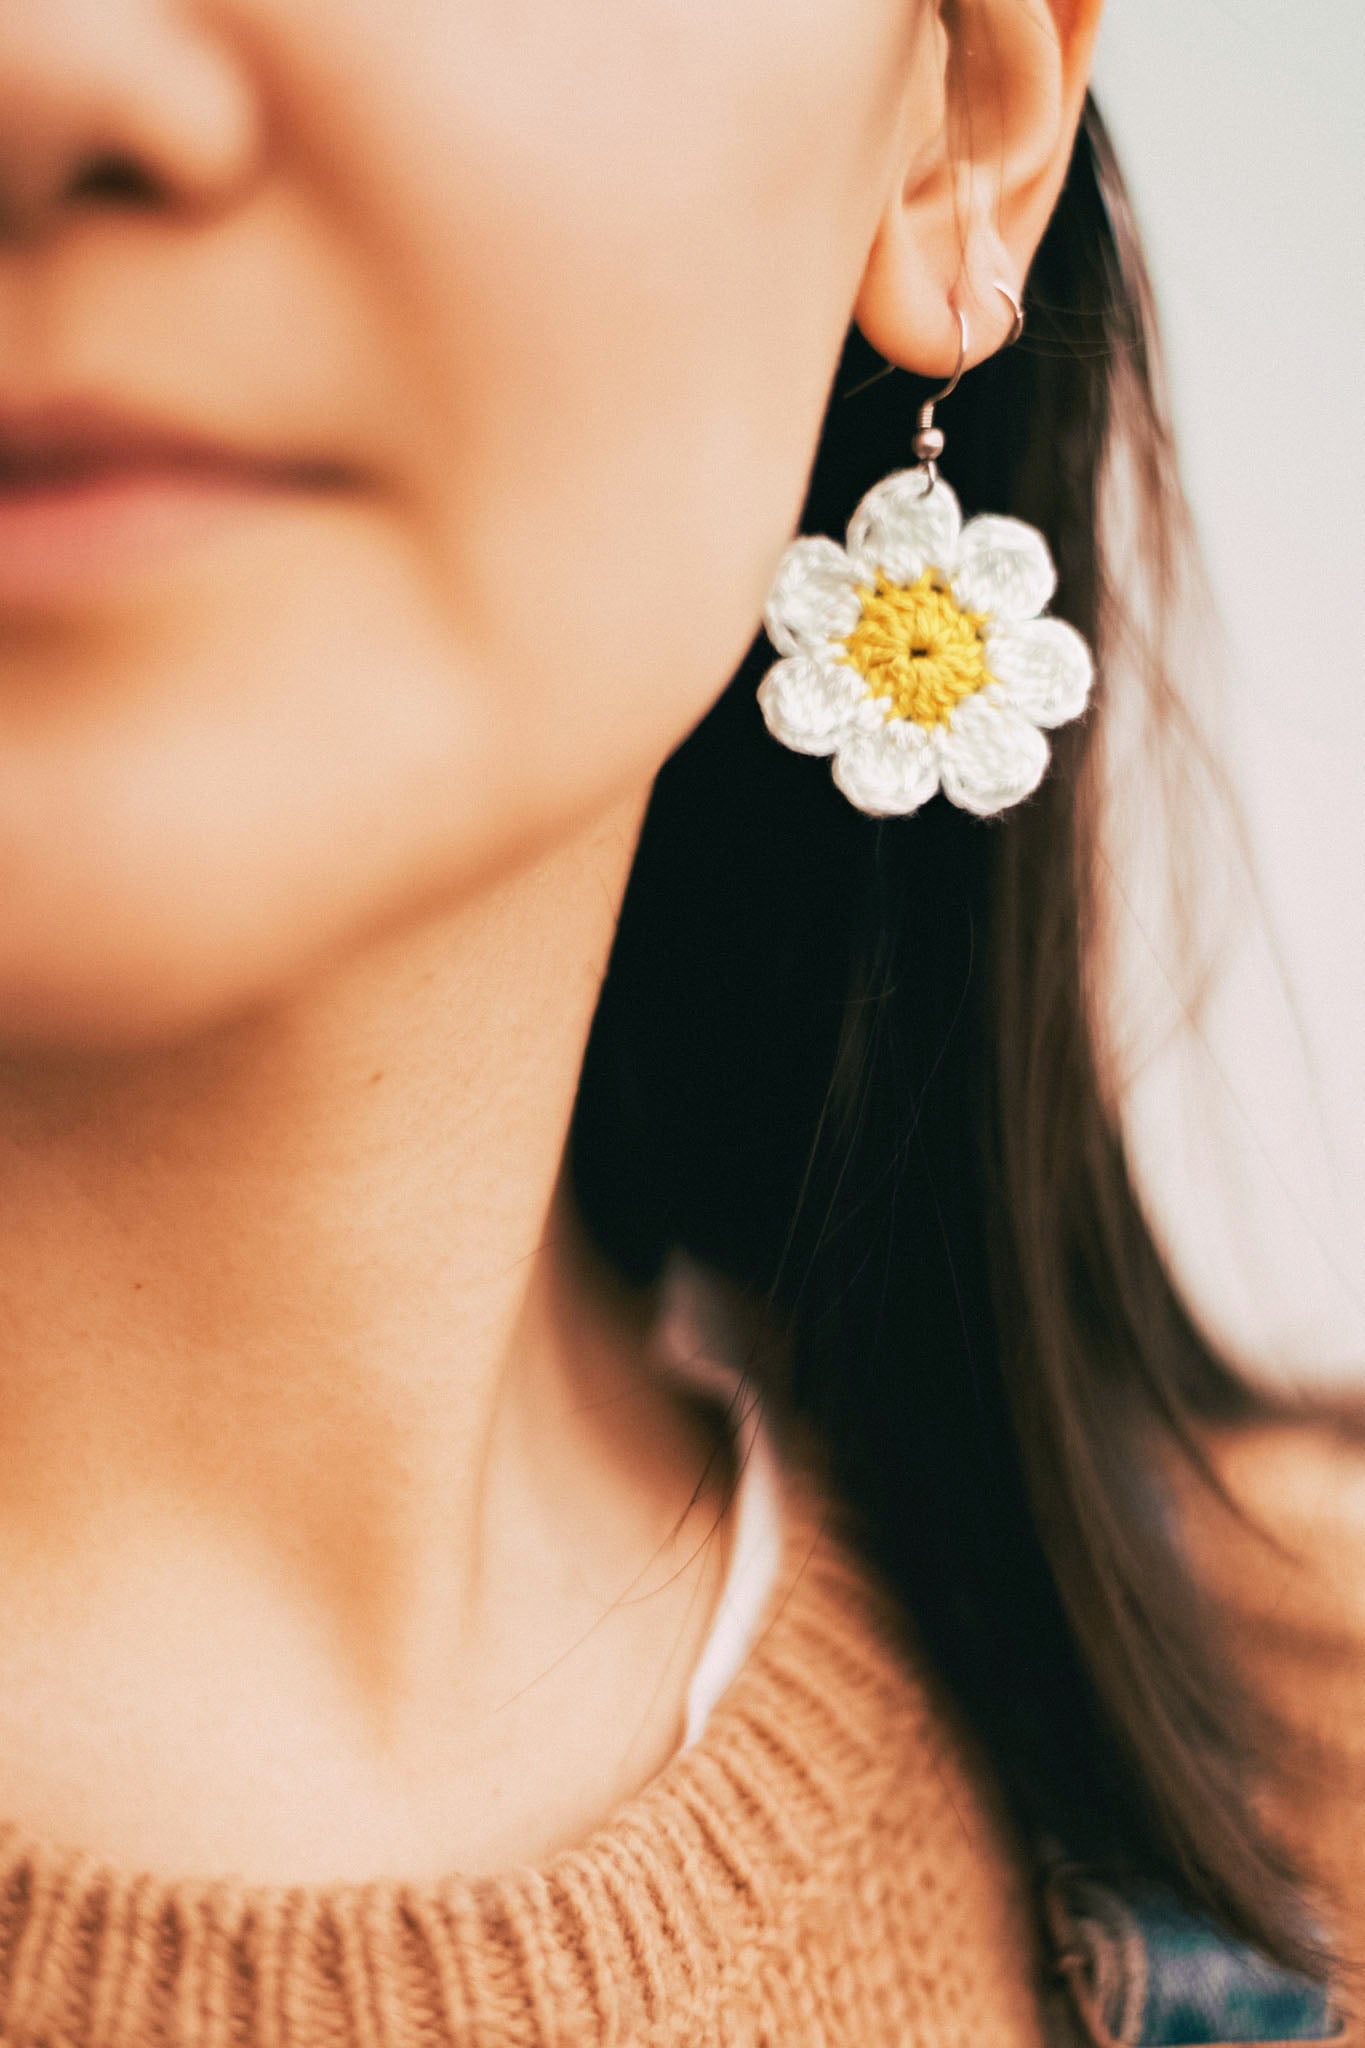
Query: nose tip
[{"x": 110, "y": 105}]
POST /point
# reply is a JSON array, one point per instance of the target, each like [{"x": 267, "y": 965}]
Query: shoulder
[{"x": 1277, "y": 1546}]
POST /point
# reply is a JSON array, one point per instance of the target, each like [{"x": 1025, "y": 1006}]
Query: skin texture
[{"x": 332, "y": 1450}]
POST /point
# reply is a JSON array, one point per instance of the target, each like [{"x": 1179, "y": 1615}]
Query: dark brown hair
[{"x": 851, "y": 1066}]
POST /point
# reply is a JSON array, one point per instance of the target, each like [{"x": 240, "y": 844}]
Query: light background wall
[{"x": 1241, "y": 125}]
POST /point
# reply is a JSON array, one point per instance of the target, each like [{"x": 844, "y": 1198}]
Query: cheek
[{"x": 617, "y": 264}]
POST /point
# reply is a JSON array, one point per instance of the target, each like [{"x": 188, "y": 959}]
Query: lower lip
[{"x": 62, "y": 542}]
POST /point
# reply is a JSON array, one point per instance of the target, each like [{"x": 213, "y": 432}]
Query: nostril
[{"x": 112, "y": 180}]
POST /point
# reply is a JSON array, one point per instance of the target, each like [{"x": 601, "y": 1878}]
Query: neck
[{"x": 304, "y": 1296}]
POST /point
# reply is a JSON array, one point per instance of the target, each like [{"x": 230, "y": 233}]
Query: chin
[
  {"x": 119, "y": 1000},
  {"x": 107, "y": 969}
]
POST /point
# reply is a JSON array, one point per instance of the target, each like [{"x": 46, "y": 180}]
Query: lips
[
  {"x": 93, "y": 498},
  {"x": 62, "y": 446},
  {"x": 53, "y": 465}
]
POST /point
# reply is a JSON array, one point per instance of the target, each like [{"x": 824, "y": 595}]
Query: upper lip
[{"x": 71, "y": 440}]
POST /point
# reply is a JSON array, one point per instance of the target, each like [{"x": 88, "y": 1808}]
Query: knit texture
[
  {"x": 916, "y": 655},
  {"x": 823, "y": 1867}
]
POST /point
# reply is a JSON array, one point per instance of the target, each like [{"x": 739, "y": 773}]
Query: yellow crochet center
[{"x": 918, "y": 649}]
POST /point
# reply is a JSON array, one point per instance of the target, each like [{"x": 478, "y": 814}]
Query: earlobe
[
  {"x": 916, "y": 280},
  {"x": 969, "y": 212}
]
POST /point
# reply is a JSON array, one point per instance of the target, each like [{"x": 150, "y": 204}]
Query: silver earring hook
[
  {"x": 928, "y": 441},
  {"x": 951, "y": 386},
  {"x": 1017, "y": 309}
]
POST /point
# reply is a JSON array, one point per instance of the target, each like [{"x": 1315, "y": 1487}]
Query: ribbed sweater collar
[{"x": 631, "y": 1936}]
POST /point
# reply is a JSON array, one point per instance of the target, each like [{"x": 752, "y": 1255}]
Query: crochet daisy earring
[{"x": 915, "y": 655}]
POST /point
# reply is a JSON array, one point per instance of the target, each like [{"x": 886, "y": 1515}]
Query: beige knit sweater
[{"x": 822, "y": 1867}]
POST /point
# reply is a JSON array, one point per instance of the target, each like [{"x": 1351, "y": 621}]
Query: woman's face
[{"x": 401, "y": 412}]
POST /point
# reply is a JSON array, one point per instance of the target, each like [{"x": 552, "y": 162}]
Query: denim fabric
[{"x": 1146, "y": 1973}]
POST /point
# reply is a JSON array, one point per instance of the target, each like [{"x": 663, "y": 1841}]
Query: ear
[{"x": 1007, "y": 81}]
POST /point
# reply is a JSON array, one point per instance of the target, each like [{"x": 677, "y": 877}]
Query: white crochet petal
[
  {"x": 903, "y": 529},
  {"x": 890, "y": 772},
  {"x": 812, "y": 705},
  {"x": 1003, "y": 568},
  {"x": 1043, "y": 667},
  {"x": 814, "y": 598},
  {"x": 991, "y": 755}
]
